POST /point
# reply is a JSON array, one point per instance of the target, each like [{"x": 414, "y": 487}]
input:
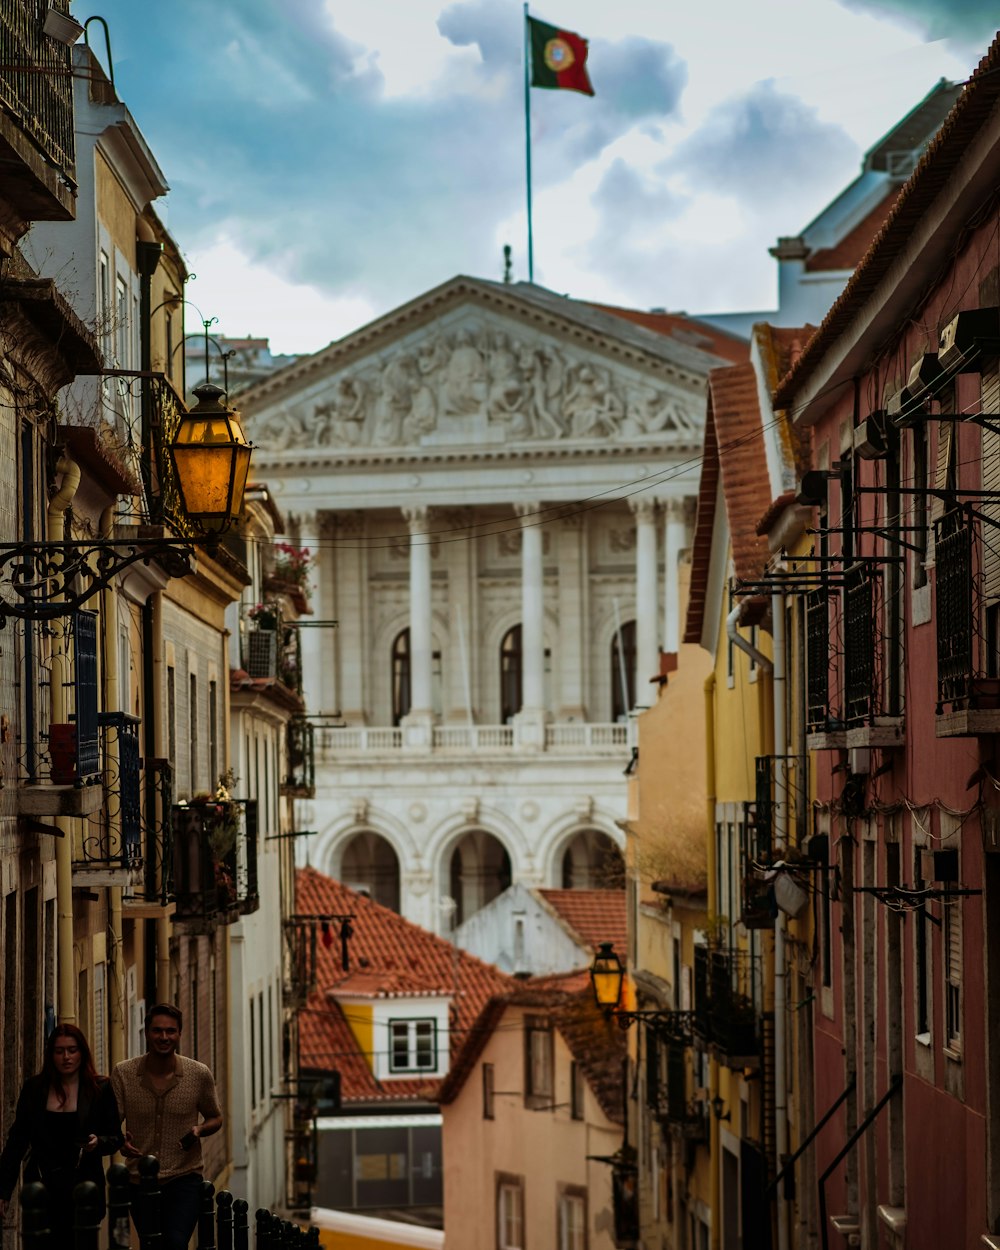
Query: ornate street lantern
[
  {"x": 606, "y": 975},
  {"x": 211, "y": 459}
]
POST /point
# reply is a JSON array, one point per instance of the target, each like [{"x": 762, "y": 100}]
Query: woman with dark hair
[{"x": 66, "y": 1120}]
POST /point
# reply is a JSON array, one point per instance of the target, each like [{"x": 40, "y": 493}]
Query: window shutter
[
  {"x": 990, "y": 406},
  {"x": 953, "y": 971}
]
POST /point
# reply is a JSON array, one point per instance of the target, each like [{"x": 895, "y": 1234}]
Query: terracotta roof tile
[
  {"x": 389, "y": 956},
  {"x": 852, "y": 247},
  {"x": 934, "y": 170},
  {"x": 688, "y": 330},
  {"x": 596, "y": 1043},
  {"x": 594, "y": 916}
]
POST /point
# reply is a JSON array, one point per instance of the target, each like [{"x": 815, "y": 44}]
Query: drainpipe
[
  {"x": 744, "y": 644},
  {"x": 113, "y": 702},
  {"x": 58, "y": 507},
  {"x": 780, "y": 841},
  {"x": 714, "y": 1160}
]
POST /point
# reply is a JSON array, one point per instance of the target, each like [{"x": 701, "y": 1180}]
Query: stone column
[
  {"x": 530, "y": 722},
  {"x": 314, "y": 666},
  {"x": 673, "y": 540},
  {"x": 647, "y": 658},
  {"x": 348, "y": 605},
  {"x": 421, "y": 700},
  {"x": 573, "y": 624}
]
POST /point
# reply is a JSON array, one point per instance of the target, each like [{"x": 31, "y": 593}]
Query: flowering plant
[
  {"x": 291, "y": 564},
  {"x": 265, "y": 615}
]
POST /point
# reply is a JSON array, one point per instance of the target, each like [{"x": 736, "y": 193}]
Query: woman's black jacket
[{"x": 96, "y": 1113}]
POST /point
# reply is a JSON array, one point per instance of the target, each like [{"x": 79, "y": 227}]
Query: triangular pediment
[{"x": 479, "y": 365}]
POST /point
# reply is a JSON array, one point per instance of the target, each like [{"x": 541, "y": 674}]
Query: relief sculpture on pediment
[{"x": 479, "y": 383}]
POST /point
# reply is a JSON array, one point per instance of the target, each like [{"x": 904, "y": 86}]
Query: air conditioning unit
[
  {"x": 967, "y": 338},
  {"x": 869, "y": 436},
  {"x": 903, "y": 410},
  {"x": 910, "y": 405}
]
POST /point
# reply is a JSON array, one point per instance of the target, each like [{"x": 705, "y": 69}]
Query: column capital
[
  {"x": 675, "y": 509},
  {"x": 417, "y": 519},
  {"x": 527, "y": 513},
  {"x": 643, "y": 507}
]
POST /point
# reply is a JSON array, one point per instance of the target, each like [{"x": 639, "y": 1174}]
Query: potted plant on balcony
[
  {"x": 290, "y": 573},
  {"x": 261, "y": 655}
]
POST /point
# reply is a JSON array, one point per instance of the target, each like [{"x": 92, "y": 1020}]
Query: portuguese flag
[{"x": 558, "y": 58}]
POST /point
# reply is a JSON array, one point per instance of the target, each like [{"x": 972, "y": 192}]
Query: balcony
[
  {"x": 109, "y": 850},
  {"x": 60, "y": 771},
  {"x": 869, "y": 723},
  {"x": 271, "y": 646},
  {"x": 300, "y": 759},
  {"x": 968, "y": 688},
  {"x": 300, "y": 962},
  {"x": 685, "y": 1117},
  {"x": 214, "y": 862},
  {"x": 571, "y": 739},
  {"x": 824, "y": 718},
  {"x": 36, "y": 117},
  {"x": 725, "y": 1015}
]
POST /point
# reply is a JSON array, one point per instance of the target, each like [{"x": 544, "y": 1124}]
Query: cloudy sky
[{"x": 330, "y": 159}]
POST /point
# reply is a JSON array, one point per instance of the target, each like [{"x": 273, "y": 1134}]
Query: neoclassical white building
[{"x": 495, "y": 483}]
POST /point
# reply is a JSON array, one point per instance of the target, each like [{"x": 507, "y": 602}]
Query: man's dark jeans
[{"x": 179, "y": 1203}]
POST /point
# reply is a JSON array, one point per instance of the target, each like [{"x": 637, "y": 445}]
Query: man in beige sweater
[{"x": 168, "y": 1103}]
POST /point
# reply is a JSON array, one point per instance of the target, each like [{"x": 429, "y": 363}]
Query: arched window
[
  {"x": 478, "y": 872},
  {"x": 623, "y": 671},
  {"x": 400, "y": 675},
  {"x": 510, "y": 674},
  {"x": 592, "y": 861},
  {"x": 369, "y": 864}
]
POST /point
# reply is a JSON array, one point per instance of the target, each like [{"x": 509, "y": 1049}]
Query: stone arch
[
  {"x": 561, "y": 834},
  {"x": 478, "y": 870},
  {"x": 492, "y": 873},
  {"x": 603, "y": 645},
  {"x": 591, "y": 860},
  {"x": 369, "y": 863},
  {"x": 327, "y": 849}
]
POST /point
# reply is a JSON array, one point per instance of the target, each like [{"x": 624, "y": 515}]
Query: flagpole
[{"x": 527, "y": 141}]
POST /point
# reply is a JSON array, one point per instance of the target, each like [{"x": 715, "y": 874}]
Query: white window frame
[
  {"x": 414, "y": 1031},
  {"x": 572, "y": 1222},
  {"x": 510, "y": 1216}
]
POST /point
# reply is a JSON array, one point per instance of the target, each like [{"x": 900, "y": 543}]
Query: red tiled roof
[
  {"x": 934, "y": 170},
  {"x": 596, "y": 1043},
  {"x": 389, "y": 956},
  {"x": 849, "y": 251},
  {"x": 734, "y": 448},
  {"x": 594, "y": 916},
  {"x": 688, "y": 330}
]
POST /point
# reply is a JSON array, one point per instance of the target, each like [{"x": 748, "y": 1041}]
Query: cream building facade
[{"x": 494, "y": 483}]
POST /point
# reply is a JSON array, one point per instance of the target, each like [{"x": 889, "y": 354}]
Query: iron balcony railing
[
  {"x": 963, "y": 679},
  {"x": 68, "y": 752},
  {"x": 215, "y": 861},
  {"x": 36, "y": 85},
  {"x": 859, "y": 644},
  {"x": 824, "y": 694},
  {"x": 725, "y": 1015},
  {"x": 300, "y": 759},
  {"x": 112, "y": 837},
  {"x": 300, "y": 961},
  {"x": 271, "y": 646}
]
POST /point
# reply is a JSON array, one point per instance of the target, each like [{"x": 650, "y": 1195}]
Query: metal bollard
[
  {"x": 151, "y": 1236},
  {"x": 206, "y": 1217},
  {"x": 241, "y": 1224},
  {"x": 86, "y": 1216},
  {"x": 34, "y": 1217},
  {"x": 263, "y": 1218},
  {"x": 224, "y": 1220},
  {"x": 119, "y": 1202}
]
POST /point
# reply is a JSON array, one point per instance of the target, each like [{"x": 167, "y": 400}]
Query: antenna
[{"x": 507, "y": 264}]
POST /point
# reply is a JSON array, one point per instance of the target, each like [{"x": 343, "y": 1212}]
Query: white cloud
[{"x": 250, "y": 298}]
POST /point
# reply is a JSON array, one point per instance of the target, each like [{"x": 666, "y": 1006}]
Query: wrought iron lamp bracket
[
  {"x": 677, "y": 1024},
  {"x": 43, "y": 581}
]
